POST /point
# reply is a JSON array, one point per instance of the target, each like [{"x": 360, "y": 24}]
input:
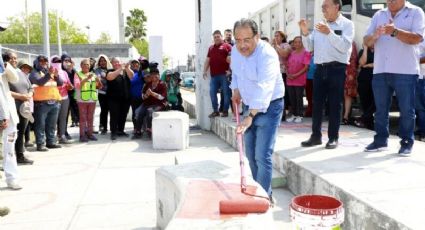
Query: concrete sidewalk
[
  {"x": 379, "y": 190},
  {"x": 104, "y": 184}
]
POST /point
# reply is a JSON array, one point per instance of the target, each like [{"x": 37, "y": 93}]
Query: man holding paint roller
[{"x": 257, "y": 82}]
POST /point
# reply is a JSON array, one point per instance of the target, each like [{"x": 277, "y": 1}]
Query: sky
[{"x": 174, "y": 20}]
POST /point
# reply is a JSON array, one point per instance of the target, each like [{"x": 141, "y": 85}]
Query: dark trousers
[
  {"x": 118, "y": 109},
  {"x": 309, "y": 96},
  {"x": 104, "y": 110},
  {"x": 28, "y": 132},
  {"x": 367, "y": 101},
  {"x": 296, "y": 99},
  {"x": 328, "y": 84},
  {"x": 144, "y": 116},
  {"x": 73, "y": 108},
  {"x": 19, "y": 144},
  {"x": 135, "y": 103},
  {"x": 286, "y": 98}
]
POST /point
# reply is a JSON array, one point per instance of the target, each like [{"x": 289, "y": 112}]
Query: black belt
[
  {"x": 50, "y": 102},
  {"x": 332, "y": 63}
]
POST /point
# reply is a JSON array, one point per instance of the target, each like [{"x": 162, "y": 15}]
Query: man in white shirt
[{"x": 332, "y": 42}]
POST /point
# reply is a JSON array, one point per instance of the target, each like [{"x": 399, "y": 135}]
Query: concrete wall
[{"x": 77, "y": 51}]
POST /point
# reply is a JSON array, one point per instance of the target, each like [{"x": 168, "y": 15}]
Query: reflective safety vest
[
  {"x": 88, "y": 90},
  {"x": 47, "y": 92}
]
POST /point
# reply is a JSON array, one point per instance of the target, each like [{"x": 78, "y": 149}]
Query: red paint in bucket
[{"x": 316, "y": 211}]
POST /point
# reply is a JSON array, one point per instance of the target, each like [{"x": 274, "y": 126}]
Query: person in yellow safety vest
[
  {"x": 47, "y": 99},
  {"x": 86, "y": 84}
]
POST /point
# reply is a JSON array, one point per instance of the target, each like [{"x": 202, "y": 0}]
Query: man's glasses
[{"x": 244, "y": 40}]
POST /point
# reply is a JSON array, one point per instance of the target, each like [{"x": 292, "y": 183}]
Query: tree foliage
[
  {"x": 142, "y": 47},
  {"x": 16, "y": 31},
  {"x": 136, "y": 25},
  {"x": 104, "y": 38}
]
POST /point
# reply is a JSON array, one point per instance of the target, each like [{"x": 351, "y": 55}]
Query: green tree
[
  {"x": 142, "y": 47},
  {"x": 136, "y": 25},
  {"x": 104, "y": 38},
  {"x": 166, "y": 61},
  {"x": 16, "y": 32}
]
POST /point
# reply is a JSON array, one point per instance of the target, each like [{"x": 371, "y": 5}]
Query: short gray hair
[{"x": 246, "y": 22}]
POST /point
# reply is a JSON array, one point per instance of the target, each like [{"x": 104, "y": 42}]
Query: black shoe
[
  {"x": 72, "y": 124},
  {"x": 113, "y": 137},
  {"x": 67, "y": 136},
  {"x": 214, "y": 114},
  {"x": 136, "y": 135},
  {"x": 24, "y": 161},
  {"x": 42, "y": 148},
  {"x": 311, "y": 142},
  {"x": 4, "y": 211},
  {"x": 123, "y": 134},
  {"x": 53, "y": 146},
  {"x": 28, "y": 144},
  {"x": 332, "y": 144}
]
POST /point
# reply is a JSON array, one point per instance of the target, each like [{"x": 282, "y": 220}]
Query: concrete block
[
  {"x": 174, "y": 183},
  {"x": 170, "y": 130}
]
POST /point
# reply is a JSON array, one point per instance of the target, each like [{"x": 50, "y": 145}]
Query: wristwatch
[{"x": 394, "y": 33}]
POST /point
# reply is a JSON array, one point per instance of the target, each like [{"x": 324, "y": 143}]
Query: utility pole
[
  {"x": 27, "y": 23},
  {"x": 59, "y": 34},
  {"x": 46, "y": 40},
  {"x": 203, "y": 41},
  {"x": 120, "y": 22}
]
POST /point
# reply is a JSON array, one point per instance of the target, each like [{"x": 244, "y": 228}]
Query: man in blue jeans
[
  {"x": 258, "y": 83},
  {"x": 46, "y": 103},
  {"x": 217, "y": 62},
  {"x": 395, "y": 33}
]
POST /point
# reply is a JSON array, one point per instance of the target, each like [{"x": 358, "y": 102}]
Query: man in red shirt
[{"x": 217, "y": 61}]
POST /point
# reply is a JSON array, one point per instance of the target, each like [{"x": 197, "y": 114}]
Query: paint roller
[{"x": 258, "y": 204}]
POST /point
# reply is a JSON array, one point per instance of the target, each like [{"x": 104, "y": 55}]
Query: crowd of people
[
  {"x": 299, "y": 69},
  {"x": 41, "y": 97},
  {"x": 325, "y": 64},
  {"x": 268, "y": 76}
]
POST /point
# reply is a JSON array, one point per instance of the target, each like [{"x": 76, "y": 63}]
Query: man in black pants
[{"x": 331, "y": 39}]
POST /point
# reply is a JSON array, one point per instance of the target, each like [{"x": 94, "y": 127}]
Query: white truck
[{"x": 284, "y": 15}]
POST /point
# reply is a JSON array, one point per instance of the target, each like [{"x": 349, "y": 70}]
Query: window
[{"x": 369, "y": 7}]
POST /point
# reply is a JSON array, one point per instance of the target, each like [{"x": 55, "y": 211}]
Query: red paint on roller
[
  {"x": 244, "y": 206},
  {"x": 202, "y": 197}
]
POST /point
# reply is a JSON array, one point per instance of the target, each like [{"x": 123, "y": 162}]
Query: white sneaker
[
  {"x": 298, "y": 119},
  {"x": 290, "y": 119},
  {"x": 13, "y": 185}
]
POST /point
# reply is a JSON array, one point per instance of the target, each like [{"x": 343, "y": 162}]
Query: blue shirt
[
  {"x": 311, "y": 69},
  {"x": 391, "y": 54},
  {"x": 258, "y": 76},
  {"x": 335, "y": 46},
  {"x": 136, "y": 86}
]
